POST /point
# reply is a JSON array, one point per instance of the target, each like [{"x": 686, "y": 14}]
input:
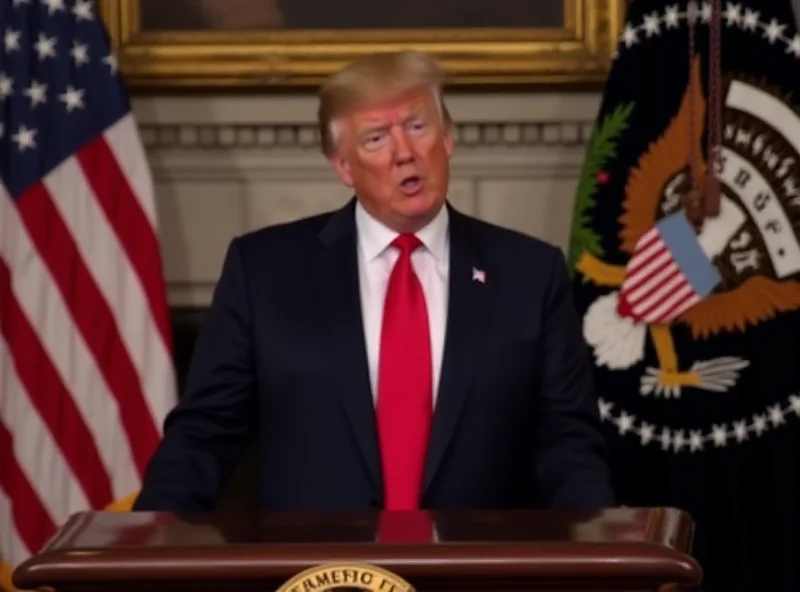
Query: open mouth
[{"x": 411, "y": 185}]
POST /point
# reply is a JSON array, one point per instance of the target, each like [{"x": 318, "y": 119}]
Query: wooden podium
[{"x": 618, "y": 549}]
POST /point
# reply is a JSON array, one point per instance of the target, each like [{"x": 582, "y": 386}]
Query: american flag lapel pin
[{"x": 478, "y": 275}]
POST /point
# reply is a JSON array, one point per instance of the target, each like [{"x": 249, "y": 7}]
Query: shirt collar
[{"x": 374, "y": 236}]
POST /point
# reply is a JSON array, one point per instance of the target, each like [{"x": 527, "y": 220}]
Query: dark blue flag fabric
[{"x": 695, "y": 332}]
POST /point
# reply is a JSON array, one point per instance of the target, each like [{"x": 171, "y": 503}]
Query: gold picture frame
[{"x": 578, "y": 52}]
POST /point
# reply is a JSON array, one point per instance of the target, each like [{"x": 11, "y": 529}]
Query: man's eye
[
  {"x": 417, "y": 125},
  {"x": 374, "y": 141}
]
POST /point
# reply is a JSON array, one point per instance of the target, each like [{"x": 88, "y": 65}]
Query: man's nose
[{"x": 402, "y": 147}]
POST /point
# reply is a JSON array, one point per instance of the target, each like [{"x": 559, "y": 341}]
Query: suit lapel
[
  {"x": 336, "y": 287},
  {"x": 467, "y": 322}
]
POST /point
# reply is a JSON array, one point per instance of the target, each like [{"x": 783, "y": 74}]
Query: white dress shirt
[{"x": 376, "y": 258}]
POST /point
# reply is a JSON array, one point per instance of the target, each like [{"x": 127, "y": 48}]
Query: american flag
[
  {"x": 668, "y": 273},
  {"x": 86, "y": 374}
]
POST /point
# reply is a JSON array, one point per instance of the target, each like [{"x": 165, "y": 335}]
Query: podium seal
[{"x": 349, "y": 576}]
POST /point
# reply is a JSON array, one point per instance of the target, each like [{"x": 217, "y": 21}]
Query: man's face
[{"x": 396, "y": 157}]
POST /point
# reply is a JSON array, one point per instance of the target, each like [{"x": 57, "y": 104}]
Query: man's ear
[{"x": 342, "y": 168}]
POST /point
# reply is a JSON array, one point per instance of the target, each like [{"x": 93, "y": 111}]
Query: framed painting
[{"x": 291, "y": 43}]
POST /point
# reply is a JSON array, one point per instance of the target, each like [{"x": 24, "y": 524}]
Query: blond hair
[{"x": 373, "y": 79}]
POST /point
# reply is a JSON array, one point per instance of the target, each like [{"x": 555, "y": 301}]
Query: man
[{"x": 394, "y": 353}]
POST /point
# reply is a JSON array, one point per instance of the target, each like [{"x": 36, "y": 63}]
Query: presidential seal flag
[{"x": 685, "y": 254}]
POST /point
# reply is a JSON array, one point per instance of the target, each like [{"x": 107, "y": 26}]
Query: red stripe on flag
[
  {"x": 645, "y": 280},
  {"x": 654, "y": 288},
  {"x": 33, "y": 522},
  {"x": 676, "y": 308},
  {"x": 93, "y": 318},
  {"x": 638, "y": 259},
  {"x": 51, "y": 398},
  {"x": 638, "y": 274},
  {"x": 649, "y": 288},
  {"x": 126, "y": 217},
  {"x": 682, "y": 305}
]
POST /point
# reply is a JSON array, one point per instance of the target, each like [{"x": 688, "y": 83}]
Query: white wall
[{"x": 227, "y": 165}]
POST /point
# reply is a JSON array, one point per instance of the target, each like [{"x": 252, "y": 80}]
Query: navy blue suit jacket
[{"x": 282, "y": 356}]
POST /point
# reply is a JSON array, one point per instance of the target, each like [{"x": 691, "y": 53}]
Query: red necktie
[{"x": 405, "y": 387}]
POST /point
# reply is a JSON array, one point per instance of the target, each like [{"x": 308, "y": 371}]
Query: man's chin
[
  {"x": 418, "y": 210},
  {"x": 419, "y": 205}
]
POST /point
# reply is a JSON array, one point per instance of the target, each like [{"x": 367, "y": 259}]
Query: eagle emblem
[{"x": 741, "y": 269}]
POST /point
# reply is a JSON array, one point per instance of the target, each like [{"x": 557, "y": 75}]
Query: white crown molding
[
  {"x": 301, "y": 109},
  {"x": 289, "y": 122},
  {"x": 305, "y": 136}
]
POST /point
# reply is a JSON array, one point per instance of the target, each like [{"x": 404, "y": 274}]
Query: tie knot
[{"x": 407, "y": 243}]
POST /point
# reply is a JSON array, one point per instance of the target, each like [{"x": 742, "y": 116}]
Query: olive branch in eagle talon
[{"x": 602, "y": 148}]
